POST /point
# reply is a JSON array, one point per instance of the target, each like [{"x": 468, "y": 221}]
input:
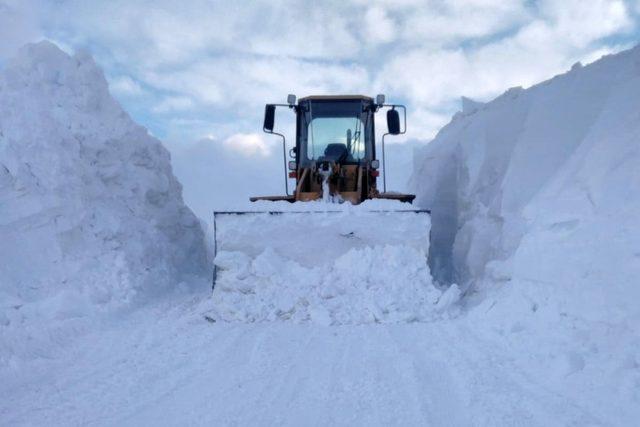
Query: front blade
[
  {"x": 313, "y": 238},
  {"x": 332, "y": 267}
]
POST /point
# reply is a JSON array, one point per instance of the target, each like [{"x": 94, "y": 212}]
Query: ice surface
[{"x": 91, "y": 216}]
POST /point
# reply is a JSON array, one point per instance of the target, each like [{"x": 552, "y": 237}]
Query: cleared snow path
[{"x": 166, "y": 365}]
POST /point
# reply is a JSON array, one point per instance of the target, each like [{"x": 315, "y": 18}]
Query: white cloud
[
  {"x": 248, "y": 144},
  {"x": 448, "y": 22},
  {"x": 216, "y": 64},
  {"x": 563, "y": 34},
  {"x": 579, "y": 23},
  {"x": 309, "y": 30},
  {"x": 379, "y": 27},
  {"x": 168, "y": 33},
  {"x": 217, "y": 176},
  {"x": 125, "y": 86},
  {"x": 424, "y": 124},
  {"x": 238, "y": 82},
  {"x": 174, "y": 103},
  {"x": 18, "y": 25}
]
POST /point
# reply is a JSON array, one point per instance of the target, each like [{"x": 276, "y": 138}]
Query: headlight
[
  {"x": 375, "y": 164},
  {"x": 293, "y": 165}
]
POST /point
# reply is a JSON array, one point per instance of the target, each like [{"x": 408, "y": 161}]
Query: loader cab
[
  {"x": 334, "y": 158},
  {"x": 335, "y": 129}
]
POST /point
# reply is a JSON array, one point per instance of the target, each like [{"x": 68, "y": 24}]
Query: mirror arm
[
  {"x": 384, "y": 166},
  {"x": 404, "y": 113},
  {"x": 284, "y": 151},
  {"x": 284, "y": 158}
]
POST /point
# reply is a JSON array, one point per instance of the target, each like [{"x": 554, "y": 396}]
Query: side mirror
[
  {"x": 393, "y": 122},
  {"x": 269, "y": 117}
]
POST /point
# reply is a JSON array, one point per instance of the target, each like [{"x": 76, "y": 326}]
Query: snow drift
[{"x": 91, "y": 216}]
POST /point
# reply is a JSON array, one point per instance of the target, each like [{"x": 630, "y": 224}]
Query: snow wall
[
  {"x": 541, "y": 187},
  {"x": 91, "y": 215}
]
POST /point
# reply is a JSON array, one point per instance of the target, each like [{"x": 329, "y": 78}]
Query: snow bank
[
  {"x": 327, "y": 264},
  {"x": 536, "y": 212},
  {"x": 550, "y": 171},
  {"x": 91, "y": 216}
]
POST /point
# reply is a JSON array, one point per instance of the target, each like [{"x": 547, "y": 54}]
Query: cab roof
[{"x": 335, "y": 98}]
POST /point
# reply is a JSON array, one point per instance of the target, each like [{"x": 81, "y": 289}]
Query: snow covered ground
[
  {"x": 535, "y": 208},
  {"x": 165, "y": 365}
]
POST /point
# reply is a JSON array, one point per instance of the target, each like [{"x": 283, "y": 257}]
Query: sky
[{"x": 200, "y": 71}]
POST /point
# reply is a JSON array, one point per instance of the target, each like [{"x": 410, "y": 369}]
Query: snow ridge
[{"x": 91, "y": 216}]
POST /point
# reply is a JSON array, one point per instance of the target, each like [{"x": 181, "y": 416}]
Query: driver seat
[{"x": 336, "y": 152}]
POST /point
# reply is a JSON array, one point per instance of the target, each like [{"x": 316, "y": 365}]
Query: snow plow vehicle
[
  {"x": 334, "y": 157},
  {"x": 335, "y": 219}
]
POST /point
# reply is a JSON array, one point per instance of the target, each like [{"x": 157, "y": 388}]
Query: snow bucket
[{"x": 329, "y": 266}]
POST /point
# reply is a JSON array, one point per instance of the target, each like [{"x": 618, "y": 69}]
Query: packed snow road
[{"x": 166, "y": 365}]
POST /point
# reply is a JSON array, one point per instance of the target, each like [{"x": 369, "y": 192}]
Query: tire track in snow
[
  {"x": 210, "y": 385},
  {"x": 497, "y": 397},
  {"x": 175, "y": 368},
  {"x": 435, "y": 388},
  {"x": 538, "y": 395},
  {"x": 282, "y": 371}
]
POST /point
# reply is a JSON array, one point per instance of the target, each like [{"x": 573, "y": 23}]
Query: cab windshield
[
  {"x": 328, "y": 133},
  {"x": 335, "y": 130}
]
